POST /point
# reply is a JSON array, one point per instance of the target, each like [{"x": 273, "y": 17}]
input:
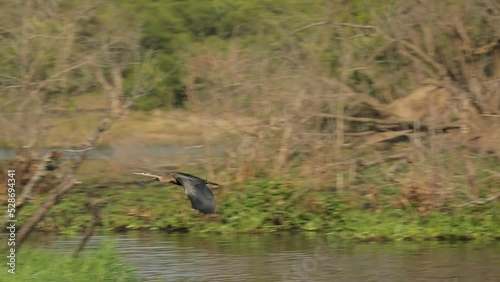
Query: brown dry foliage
[{"x": 440, "y": 97}]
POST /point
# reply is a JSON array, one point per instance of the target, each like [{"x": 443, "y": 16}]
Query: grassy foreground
[
  {"x": 267, "y": 205},
  {"x": 102, "y": 265}
]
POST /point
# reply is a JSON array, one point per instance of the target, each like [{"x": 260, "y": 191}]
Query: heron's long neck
[{"x": 176, "y": 182}]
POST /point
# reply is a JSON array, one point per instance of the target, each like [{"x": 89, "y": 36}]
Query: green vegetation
[
  {"x": 101, "y": 265},
  {"x": 176, "y": 29},
  {"x": 270, "y": 205}
]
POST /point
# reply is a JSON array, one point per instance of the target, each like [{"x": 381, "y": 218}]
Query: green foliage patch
[
  {"x": 268, "y": 205},
  {"x": 104, "y": 264}
]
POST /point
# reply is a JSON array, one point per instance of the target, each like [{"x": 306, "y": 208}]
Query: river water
[{"x": 159, "y": 256}]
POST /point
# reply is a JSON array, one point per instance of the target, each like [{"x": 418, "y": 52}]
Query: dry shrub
[
  {"x": 283, "y": 94},
  {"x": 418, "y": 195},
  {"x": 287, "y": 116}
]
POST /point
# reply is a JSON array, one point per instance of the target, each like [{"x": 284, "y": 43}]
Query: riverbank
[
  {"x": 268, "y": 205},
  {"x": 374, "y": 207}
]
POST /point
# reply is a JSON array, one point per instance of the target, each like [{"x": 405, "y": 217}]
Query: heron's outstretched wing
[{"x": 201, "y": 197}]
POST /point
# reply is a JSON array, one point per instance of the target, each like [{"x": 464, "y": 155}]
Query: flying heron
[{"x": 201, "y": 197}]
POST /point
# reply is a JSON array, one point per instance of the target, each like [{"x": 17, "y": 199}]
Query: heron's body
[{"x": 201, "y": 197}]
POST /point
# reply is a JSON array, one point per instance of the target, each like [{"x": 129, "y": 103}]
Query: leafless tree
[{"x": 50, "y": 50}]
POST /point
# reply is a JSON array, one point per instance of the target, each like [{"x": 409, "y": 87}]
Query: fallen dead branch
[
  {"x": 384, "y": 136},
  {"x": 494, "y": 173},
  {"x": 358, "y": 119},
  {"x": 383, "y": 159},
  {"x": 43, "y": 170},
  {"x": 66, "y": 184},
  {"x": 479, "y": 202}
]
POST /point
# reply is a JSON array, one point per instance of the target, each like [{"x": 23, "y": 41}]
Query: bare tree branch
[
  {"x": 65, "y": 186},
  {"x": 358, "y": 26},
  {"x": 311, "y": 25}
]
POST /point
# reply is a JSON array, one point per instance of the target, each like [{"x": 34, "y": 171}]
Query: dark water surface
[{"x": 159, "y": 256}]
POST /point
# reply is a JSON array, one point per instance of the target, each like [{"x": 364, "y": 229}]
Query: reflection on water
[{"x": 292, "y": 257}]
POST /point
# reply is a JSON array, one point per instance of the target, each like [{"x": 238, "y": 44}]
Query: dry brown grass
[{"x": 175, "y": 127}]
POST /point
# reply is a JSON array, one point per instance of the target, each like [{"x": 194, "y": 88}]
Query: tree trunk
[{"x": 113, "y": 88}]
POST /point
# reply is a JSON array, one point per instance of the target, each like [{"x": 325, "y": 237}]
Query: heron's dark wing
[
  {"x": 201, "y": 197},
  {"x": 182, "y": 175}
]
